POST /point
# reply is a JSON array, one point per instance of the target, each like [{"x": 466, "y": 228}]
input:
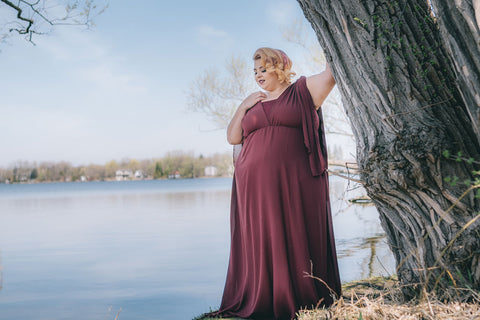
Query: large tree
[{"x": 408, "y": 72}]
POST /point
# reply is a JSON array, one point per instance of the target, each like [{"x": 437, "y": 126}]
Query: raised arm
[
  {"x": 234, "y": 130},
  {"x": 320, "y": 86}
]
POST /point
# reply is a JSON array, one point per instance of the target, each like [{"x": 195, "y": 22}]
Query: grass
[{"x": 381, "y": 298}]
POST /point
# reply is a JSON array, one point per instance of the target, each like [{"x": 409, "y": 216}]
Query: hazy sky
[{"x": 118, "y": 91}]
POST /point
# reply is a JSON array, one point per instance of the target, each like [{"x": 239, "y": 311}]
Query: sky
[{"x": 118, "y": 90}]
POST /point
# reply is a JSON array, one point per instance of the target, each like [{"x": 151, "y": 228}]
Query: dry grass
[{"x": 381, "y": 298}]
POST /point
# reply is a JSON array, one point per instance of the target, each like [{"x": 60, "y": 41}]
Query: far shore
[{"x": 109, "y": 180}]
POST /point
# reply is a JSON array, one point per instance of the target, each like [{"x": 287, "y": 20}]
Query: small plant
[
  {"x": 361, "y": 22},
  {"x": 452, "y": 181}
]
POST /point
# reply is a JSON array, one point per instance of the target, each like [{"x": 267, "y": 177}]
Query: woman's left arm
[{"x": 320, "y": 86}]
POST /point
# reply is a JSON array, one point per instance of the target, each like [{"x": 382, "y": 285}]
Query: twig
[
  {"x": 310, "y": 275},
  {"x": 70, "y": 17},
  {"x": 108, "y": 313},
  {"x": 120, "y": 310},
  {"x": 344, "y": 177},
  {"x": 19, "y": 16}
]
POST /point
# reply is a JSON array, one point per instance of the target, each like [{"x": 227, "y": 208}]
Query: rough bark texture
[
  {"x": 460, "y": 33},
  {"x": 399, "y": 88}
]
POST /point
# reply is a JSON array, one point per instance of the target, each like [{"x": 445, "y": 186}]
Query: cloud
[
  {"x": 87, "y": 58},
  {"x": 106, "y": 78},
  {"x": 73, "y": 46},
  {"x": 214, "y": 38}
]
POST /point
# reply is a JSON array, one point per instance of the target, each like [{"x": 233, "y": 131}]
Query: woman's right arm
[{"x": 234, "y": 130}]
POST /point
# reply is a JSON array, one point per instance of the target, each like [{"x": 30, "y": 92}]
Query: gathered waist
[{"x": 274, "y": 126}]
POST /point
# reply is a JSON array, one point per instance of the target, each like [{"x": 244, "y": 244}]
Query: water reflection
[
  {"x": 361, "y": 242},
  {"x": 1, "y": 271},
  {"x": 147, "y": 251}
]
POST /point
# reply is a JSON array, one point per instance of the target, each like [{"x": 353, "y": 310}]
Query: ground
[{"x": 380, "y": 298}]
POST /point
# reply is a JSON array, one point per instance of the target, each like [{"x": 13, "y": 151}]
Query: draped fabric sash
[{"x": 313, "y": 131}]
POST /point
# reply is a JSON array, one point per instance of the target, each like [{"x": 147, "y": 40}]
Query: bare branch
[
  {"x": 20, "y": 17},
  {"x": 30, "y": 13},
  {"x": 217, "y": 95}
]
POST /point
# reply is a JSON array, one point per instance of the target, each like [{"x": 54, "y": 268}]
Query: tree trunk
[
  {"x": 399, "y": 90},
  {"x": 460, "y": 32}
]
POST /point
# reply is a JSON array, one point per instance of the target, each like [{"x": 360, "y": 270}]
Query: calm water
[{"x": 155, "y": 249}]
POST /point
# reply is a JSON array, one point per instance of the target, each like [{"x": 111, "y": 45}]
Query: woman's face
[{"x": 266, "y": 79}]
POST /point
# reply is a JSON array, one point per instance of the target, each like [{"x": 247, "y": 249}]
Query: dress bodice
[{"x": 278, "y": 112}]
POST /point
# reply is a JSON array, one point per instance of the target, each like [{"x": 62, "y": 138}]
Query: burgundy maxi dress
[{"x": 281, "y": 225}]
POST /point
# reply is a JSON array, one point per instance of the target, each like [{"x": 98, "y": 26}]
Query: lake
[{"x": 152, "y": 249}]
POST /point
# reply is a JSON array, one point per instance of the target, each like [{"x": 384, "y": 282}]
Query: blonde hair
[{"x": 275, "y": 60}]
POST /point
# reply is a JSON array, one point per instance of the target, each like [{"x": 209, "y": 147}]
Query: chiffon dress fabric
[{"x": 282, "y": 255}]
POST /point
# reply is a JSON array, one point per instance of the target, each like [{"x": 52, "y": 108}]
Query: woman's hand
[
  {"x": 252, "y": 100},
  {"x": 234, "y": 130}
]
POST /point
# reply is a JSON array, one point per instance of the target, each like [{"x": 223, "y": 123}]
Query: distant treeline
[{"x": 176, "y": 164}]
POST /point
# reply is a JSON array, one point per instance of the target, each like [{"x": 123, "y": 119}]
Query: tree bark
[
  {"x": 460, "y": 32},
  {"x": 399, "y": 90}
]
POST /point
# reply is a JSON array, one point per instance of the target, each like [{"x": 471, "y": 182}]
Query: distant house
[
  {"x": 231, "y": 168},
  {"x": 174, "y": 175},
  {"x": 211, "y": 171},
  {"x": 121, "y": 175},
  {"x": 139, "y": 174}
]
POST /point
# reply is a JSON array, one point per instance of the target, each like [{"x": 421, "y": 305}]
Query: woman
[{"x": 282, "y": 254}]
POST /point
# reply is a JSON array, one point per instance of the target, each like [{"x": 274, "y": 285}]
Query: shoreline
[{"x": 108, "y": 180}]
